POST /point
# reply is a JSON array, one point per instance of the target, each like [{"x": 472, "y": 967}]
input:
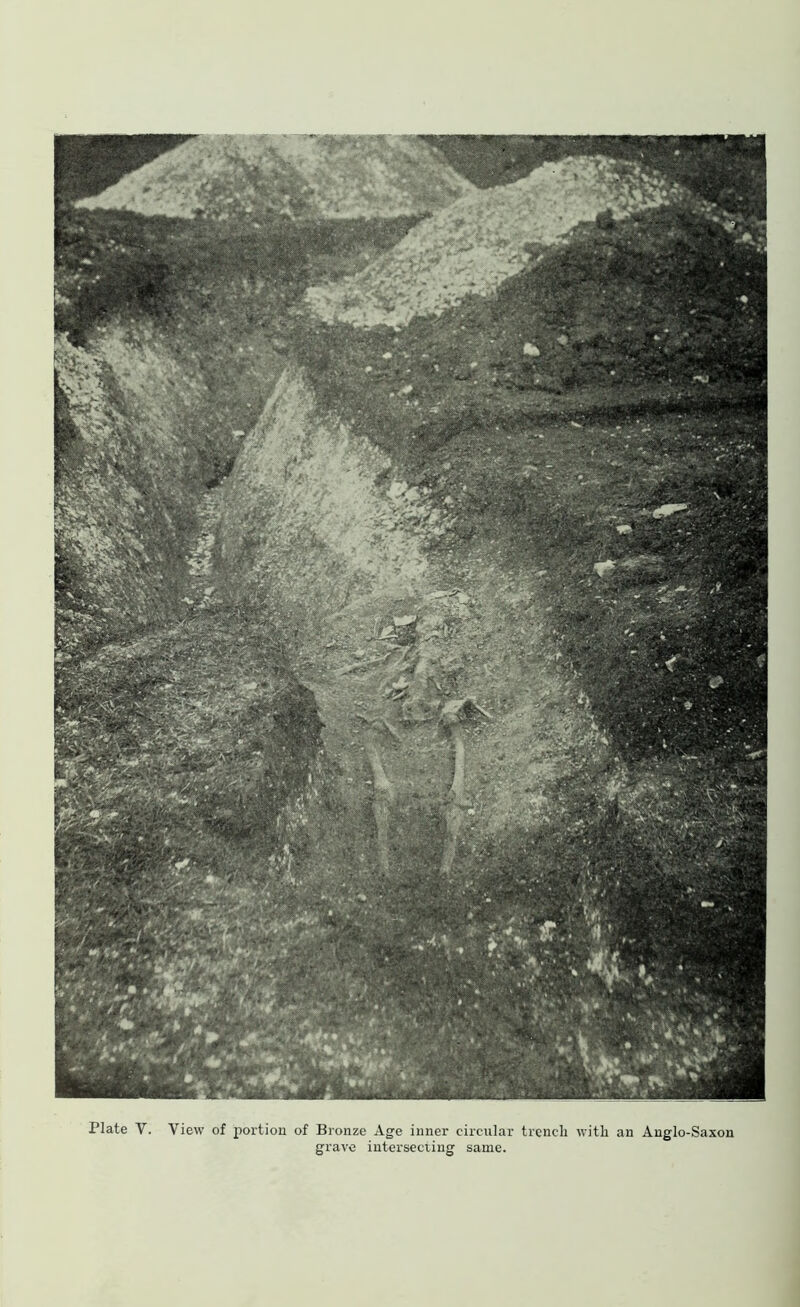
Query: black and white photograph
[{"x": 410, "y": 617}]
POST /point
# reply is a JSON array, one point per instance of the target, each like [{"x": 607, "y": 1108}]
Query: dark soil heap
[{"x": 665, "y": 301}]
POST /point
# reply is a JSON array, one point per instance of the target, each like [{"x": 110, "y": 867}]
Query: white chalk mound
[
  {"x": 475, "y": 244},
  {"x": 223, "y": 177}
]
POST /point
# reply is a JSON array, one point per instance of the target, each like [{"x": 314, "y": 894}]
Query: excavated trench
[{"x": 407, "y": 885}]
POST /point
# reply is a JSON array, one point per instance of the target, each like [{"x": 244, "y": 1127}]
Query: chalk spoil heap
[{"x": 223, "y": 177}]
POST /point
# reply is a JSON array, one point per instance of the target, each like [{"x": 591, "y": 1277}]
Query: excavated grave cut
[
  {"x": 364, "y": 976},
  {"x": 316, "y": 525}
]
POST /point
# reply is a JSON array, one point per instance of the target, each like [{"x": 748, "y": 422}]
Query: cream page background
[{"x": 111, "y": 1223}]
